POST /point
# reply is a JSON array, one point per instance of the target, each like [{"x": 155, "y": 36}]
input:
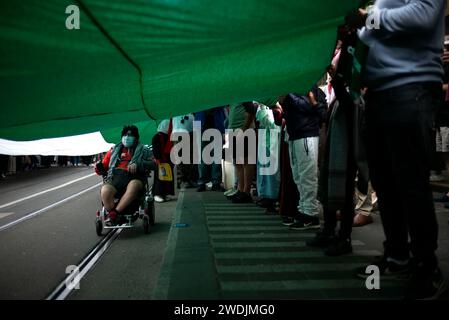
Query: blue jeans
[{"x": 208, "y": 172}]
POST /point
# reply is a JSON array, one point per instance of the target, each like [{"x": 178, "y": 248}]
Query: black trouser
[
  {"x": 399, "y": 140},
  {"x": 4, "y": 159},
  {"x": 347, "y": 212},
  {"x": 188, "y": 172}
]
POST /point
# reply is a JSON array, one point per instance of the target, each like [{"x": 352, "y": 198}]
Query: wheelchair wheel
[
  {"x": 99, "y": 227},
  {"x": 152, "y": 213},
  {"x": 146, "y": 225}
]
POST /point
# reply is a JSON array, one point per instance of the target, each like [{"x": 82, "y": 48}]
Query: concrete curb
[{"x": 163, "y": 283}]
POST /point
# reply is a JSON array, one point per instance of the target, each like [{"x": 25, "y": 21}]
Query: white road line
[
  {"x": 45, "y": 191},
  {"x": 35, "y": 213}
]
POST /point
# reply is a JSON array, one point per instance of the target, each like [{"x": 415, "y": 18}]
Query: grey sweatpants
[{"x": 304, "y": 163}]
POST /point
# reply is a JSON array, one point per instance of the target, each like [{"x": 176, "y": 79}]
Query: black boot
[
  {"x": 339, "y": 247},
  {"x": 322, "y": 240}
]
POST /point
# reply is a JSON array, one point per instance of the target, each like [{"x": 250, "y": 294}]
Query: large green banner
[{"x": 134, "y": 60}]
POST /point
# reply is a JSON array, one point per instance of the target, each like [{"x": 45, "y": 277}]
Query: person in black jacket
[
  {"x": 304, "y": 116},
  {"x": 4, "y": 159}
]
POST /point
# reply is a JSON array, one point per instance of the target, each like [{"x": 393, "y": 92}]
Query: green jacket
[{"x": 141, "y": 157}]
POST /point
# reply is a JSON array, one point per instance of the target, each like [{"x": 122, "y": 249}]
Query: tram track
[{"x": 72, "y": 280}]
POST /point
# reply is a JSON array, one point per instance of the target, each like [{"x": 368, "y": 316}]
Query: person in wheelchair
[{"x": 124, "y": 168}]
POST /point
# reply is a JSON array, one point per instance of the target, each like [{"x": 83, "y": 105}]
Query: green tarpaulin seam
[{"x": 100, "y": 27}]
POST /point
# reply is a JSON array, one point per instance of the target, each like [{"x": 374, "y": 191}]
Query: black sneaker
[
  {"x": 305, "y": 222},
  {"x": 287, "y": 221},
  {"x": 321, "y": 240},
  {"x": 338, "y": 248},
  {"x": 186, "y": 185},
  {"x": 217, "y": 187},
  {"x": 201, "y": 188},
  {"x": 271, "y": 211},
  {"x": 191, "y": 185},
  {"x": 444, "y": 198},
  {"x": 121, "y": 219},
  {"x": 265, "y": 203},
  {"x": 242, "y": 197},
  {"x": 426, "y": 285},
  {"x": 388, "y": 269}
]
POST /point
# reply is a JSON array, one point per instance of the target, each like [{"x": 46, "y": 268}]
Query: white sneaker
[
  {"x": 159, "y": 199},
  {"x": 230, "y": 192},
  {"x": 436, "y": 178}
]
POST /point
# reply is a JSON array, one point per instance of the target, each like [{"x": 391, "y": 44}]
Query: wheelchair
[{"x": 141, "y": 208}]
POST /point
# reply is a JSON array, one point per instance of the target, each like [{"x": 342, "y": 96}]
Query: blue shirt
[{"x": 408, "y": 45}]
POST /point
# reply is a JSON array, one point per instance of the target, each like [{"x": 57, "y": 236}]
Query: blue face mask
[{"x": 128, "y": 141}]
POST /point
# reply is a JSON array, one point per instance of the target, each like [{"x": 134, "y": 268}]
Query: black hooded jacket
[{"x": 303, "y": 119}]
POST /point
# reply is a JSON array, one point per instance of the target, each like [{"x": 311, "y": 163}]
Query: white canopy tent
[{"x": 79, "y": 145}]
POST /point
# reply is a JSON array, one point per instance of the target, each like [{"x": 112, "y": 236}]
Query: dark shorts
[{"x": 120, "y": 180}]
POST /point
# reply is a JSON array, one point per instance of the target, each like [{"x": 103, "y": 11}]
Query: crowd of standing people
[{"x": 359, "y": 140}]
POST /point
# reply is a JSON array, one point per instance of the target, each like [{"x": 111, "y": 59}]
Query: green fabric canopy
[{"x": 132, "y": 61}]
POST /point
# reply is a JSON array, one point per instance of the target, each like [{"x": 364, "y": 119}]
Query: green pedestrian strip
[
  {"x": 315, "y": 294},
  {"x": 301, "y": 284},
  {"x": 228, "y": 213},
  {"x": 240, "y": 252},
  {"x": 259, "y": 232},
  {"x": 287, "y": 268},
  {"x": 304, "y": 288},
  {"x": 233, "y": 218},
  {"x": 261, "y": 249},
  {"x": 256, "y": 257},
  {"x": 242, "y": 223},
  {"x": 355, "y": 293},
  {"x": 234, "y": 214},
  {"x": 362, "y": 260},
  {"x": 232, "y": 208},
  {"x": 286, "y": 235},
  {"x": 262, "y": 245},
  {"x": 266, "y": 242},
  {"x": 257, "y": 240},
  {"x": 238, "y": 246},
  {"x": 230, "y": 205},
  {"x": 244, "y": 228},
  {"x": 241, "y": 217},
  {"x": 238, "y": 209},
  {"x": 308, "y": 253}
]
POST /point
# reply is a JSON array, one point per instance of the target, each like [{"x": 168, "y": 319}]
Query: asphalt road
[{"x": 47, "y": 224}]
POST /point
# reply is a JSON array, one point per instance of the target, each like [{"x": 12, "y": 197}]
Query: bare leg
[
  {"x": 249, "y": 171},
  {"x": 240, "y": 177},
  {"x": 132, "y": 191},
  {"x": 107, "y": 196}
]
